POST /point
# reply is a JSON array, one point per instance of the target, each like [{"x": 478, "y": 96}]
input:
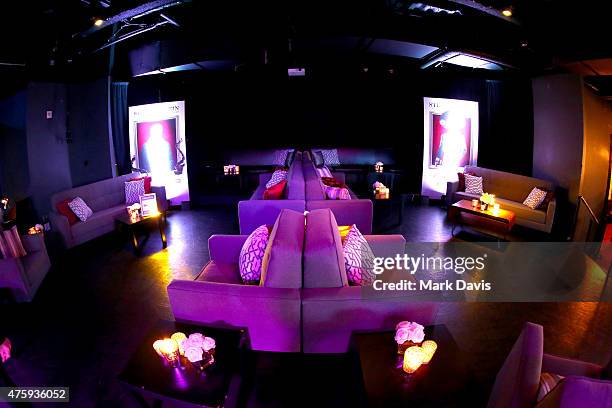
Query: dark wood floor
[{"x": 99, "y": 299}]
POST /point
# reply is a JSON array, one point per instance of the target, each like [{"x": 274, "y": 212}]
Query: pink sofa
[{"x": 516, "y": 384}]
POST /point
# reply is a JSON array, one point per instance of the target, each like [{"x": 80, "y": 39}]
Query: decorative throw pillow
[
  {"x": 473, "y": 184},
  {"x": 317, "y": 158},
  {"x": 290, "y": 158},
  {"x": 276, "y": 192},
  {"x": 337, "y": 193},
  {"x": 358, "y": 258},
  {"x": 332, "y": 182},
  {"x": 10, "y": 244},
  {"x": 80, "y": 209},
  {"x": 550, "y": 195},
  {"x": 147, "y": 183},
  {"x": 344, "y": 230},
  {"x": 280, "y": 157},
  {"x": 278, "y": 176},
  {"x": 133, "y": 191},
  {"x": 252, "y": 254},
  {"x": 324, "y": 172},
  {"x": 63, "y": 209},
  {"x": 330, "y": 157},
  {"x": 535, "y": 198},
  {"x": 548, "y": 382},
  {"x": 461, "y": 177}
]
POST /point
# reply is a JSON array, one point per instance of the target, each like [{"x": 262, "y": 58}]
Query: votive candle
[
  {"x": 413, "y": 359},
  {"x": 157, "y": 345},
  {"x": 475, "y": 203},
  {"x": 429, "y": 347},
  {"x": 179, "y": 337},
  {"x": 169, "y": 350}
]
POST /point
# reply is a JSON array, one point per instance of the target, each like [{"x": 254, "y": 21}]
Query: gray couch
[
  {"x": 23, "y": 275},
  {"x": 510, "y": 191},
  {"x": 106, "y": 198}
]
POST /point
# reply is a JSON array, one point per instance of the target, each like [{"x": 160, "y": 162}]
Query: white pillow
[
  {"x": 80, "y": 209},
  {"x": 535, "y": 198},
  {"x": 358, "y": 258},
  {"x": 473, "y": 184}
]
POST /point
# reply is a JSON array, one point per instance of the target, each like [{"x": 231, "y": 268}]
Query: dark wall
[
  {"x": 231, "y": 111},
  {"x": 14, "y": 174}
]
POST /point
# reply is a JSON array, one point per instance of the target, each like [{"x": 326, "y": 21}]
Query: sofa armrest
[
  {"x": 225, "y": 248},
  {"x": 451, "y": 188},
  {"x": 567, "y": 366},
  {"x": 387, "y": 246},
  {"x": 33, "y": 243},
  {"x": 550, "y": 214},
  {"x": 61, "y": 225},
  {"x": 160, "y": 195},
  {"x": 270, "y": 315}
]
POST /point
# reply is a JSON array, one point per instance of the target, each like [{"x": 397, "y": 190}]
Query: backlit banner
[
  {"x": 157, "y": 146},
  {"x": 450, "y": 142}
]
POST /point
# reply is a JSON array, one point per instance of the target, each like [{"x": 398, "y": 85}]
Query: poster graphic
[
  {"x": 157, "y": 146},
  {"x": 450, "y": 142}
]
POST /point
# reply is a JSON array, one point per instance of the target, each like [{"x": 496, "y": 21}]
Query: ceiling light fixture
[
  {"x": 507, "y": 12},
  {"x": 98, "y": 22}
]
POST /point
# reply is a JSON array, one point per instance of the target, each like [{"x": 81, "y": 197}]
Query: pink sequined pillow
[
  {"x": 358, "y": 258},
  {"x": 252, "y": 254},
  {"x": 337, "y": 193}
]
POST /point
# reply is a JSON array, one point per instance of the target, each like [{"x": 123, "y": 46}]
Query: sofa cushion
[
  {"x": 548, "y": 381},
  {"x": 219, "y": 272},
  {"x": 473, "y": 184},
  {"x": 535, "y": 198},
  {"x": 324, "y": 265},
  {"x": 98, "y": 220},
  {"x": 337, "y": 193},
  {"x": 579, "y": 392},
  {"x": 358, "y": 258},
  {"x": 252, "y": 255},
  {"x": 282, "y": 264},
  {"x": 64, "y": 209},
  {"x": 313, "y": 186},
  {"x": 522, "y": 211},
  {"x": 80, "y": 208}
]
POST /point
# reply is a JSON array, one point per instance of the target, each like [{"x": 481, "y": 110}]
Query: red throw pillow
[
  {"x": 462, "y": 180},
  {"x": 550, "y": 195},
  {"x": 63, "y": 208},
  {"x": 147, "y": 183},
  {"x": 332, "y": 182},
  {"x": 276, "y": 192}
]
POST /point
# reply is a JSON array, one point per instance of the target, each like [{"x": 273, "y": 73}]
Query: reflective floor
[{"x": 99, "y": 300}]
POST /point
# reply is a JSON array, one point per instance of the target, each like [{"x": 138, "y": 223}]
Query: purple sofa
[
  {"x": 256, "y": 211},
  {"x": 516, "y": 384},
  {"x": 23, "y": 275},
  {"x": 347, "y": 212},
  {"x": 331, "y": 309},
  {"x": 107, "y": 200},
  {"x": 270, "y": 312}
]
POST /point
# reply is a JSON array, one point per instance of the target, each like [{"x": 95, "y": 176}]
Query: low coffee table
[
  {"x": 445, "y": 382},
  {"x": 147, "y": 374},
  {"x": 125, "y": 221},
  {"x": 487, "y": 221}
]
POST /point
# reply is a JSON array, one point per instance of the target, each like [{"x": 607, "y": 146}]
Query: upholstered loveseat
[
  {"x": 106, "y": 198},
  {"x": 510, "y": 191}
]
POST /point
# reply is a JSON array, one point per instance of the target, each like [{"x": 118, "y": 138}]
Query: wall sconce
[
  {"x": 429, "y": 348},
  {"x": 413, "y": 359},
  {"x": 231, "y": 170},
  {"x": 379, "y": 167}
]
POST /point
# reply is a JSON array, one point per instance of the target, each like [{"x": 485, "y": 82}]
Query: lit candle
[
  {"x": 157, "y": 345},
  {"x": 496, "y": 207},
  {"x": 179, "y": 337},
  {"x": 475, "y": 203},
  {"x": 169, "y": 350},
  {"x": 413, "y": 359},
  {"x": 429, "y": 347},
  {"x": 483, "y": 207}
]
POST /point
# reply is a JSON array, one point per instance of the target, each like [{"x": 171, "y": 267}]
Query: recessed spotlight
[
  {"x": 98, "y": 22},
  {"x": 507, "y": 12}
]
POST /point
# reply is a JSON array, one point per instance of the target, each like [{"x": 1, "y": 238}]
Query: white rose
[
  {"x": 208, "y": 344},
  {"x": 193, "y": 354}
]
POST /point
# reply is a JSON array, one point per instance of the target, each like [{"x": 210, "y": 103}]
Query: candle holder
[
  {"x": 179, "y": 338},
  {"x": 170, "y": 351},
  {"x": 413, "y": 359},
  {"x": 379, "y": 167},
  {"x": 429, "y": 348},
  {"x": 475, "y": 203}
]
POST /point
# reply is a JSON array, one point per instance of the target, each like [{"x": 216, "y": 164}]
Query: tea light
[
  {"x": 483, "y": 206},
  {"x": 179, "y": 337},
  {"x": 429, "y": 348},
  {"x": 496, "y": 208},
  {"x": 413, "y": 359},
  {"x": 475, "y": 203},
  {"x": 169, "y": 350}
]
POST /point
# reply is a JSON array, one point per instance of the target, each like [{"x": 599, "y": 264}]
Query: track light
[
  {"x": 98, "y": 22},
  {"x": 507, "y": 12}
]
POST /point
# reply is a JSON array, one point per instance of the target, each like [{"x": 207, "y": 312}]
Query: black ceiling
[{"x": 51, "y": 37}]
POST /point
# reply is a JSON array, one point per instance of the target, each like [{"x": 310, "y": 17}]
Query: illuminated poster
[
  {"x": 157, "y": 146},
  {"x": 450, "y": 142}
]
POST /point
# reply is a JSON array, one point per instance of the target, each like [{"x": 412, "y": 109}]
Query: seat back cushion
[
  {"x": 282, "y": 263},
  {"x": 313, "y": 186},
  {"x": 579, "y": 392},
  {"x": 323, "y": 254}
]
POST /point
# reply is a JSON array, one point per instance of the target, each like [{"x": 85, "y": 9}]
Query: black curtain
[{"x": 119, "y": 118}]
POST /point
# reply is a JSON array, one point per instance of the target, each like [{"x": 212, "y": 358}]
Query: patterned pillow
[
  {"x": 280, "y": 157},
  {"x": 290, "y": 158},
  {"x": 550, "y": 195},
  {"x": 324, "y": 172},
  {"x": 358, "y": 258},
  {"x": 278, "y": 176},
  {"x": 548, "y": 382},
  {"x": 133, "y": 191},
  {"x": 10, "y": 244},
  {"x": 330, "y": 157},
  {"x": 252, "y": 254},
  {"x": 337, "y": 193},
  {"x": 63, "y": 209},
  {"x": 80, "y": 209},
  {"x": 535, "y": 198},
  {"x": 473, "y": 184}
]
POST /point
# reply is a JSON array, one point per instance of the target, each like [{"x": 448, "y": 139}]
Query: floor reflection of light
[
  {"x": 161, "y": 265},
  {"x": 180, "y": 379}
]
